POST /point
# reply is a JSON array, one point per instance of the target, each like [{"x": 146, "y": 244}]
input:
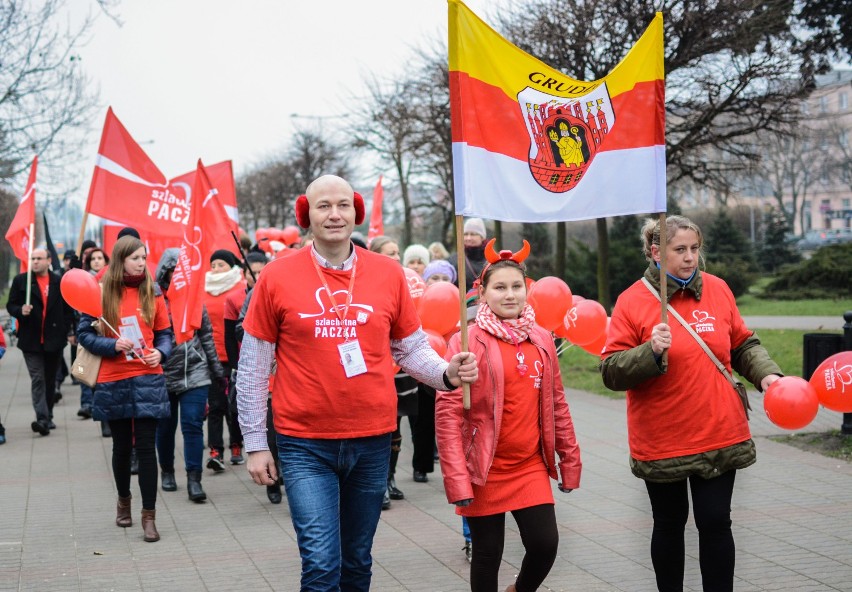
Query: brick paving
[{"x": 792, "y": 517}]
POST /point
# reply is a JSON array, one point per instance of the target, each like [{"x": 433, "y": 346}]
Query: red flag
[
  {"x": 377, "y": 226},
  {"x": 127, "y": 187},
  {"x": 207, "y": 225},
  {"x": 18, "y": 234}
]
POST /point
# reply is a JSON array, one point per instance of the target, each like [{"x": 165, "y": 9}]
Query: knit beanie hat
[
  {"x": 129, "y": 231},
  {"x": 413, "y": 252},
  {"x": 441, "y": 266},
  {"x": 224, "y": 255},
  {"x": 475, "y": 225}
]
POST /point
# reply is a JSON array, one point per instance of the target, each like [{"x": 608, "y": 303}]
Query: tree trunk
[
  {"x": 561, "y": 247},
  {"x": 603, "y": 264},
  {"x": 498, "y": 233}
]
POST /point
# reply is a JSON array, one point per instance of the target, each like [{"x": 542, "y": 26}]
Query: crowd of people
[{"x": 300, "y": 374}]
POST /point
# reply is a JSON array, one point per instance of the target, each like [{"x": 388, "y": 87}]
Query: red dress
[{"x": 518, "y": 476}]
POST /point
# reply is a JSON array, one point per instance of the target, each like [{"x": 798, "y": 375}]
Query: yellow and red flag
[
  {"x": 377, "y": 226},
  {"x": 206, "y": 227},
  {"x": 18, "y": 234},
  {"x": 127, "y": 187},
  {"x": 533, "y": 145}
]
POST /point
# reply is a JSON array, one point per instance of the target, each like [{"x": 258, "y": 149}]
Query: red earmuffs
[{"x": 302, "y": 207}]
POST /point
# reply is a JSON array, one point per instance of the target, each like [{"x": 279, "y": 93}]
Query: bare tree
[
  {"x": 268, "y": 193},
  {"x": 45, "y": 99},
  {"x": 387, "y": 126}
]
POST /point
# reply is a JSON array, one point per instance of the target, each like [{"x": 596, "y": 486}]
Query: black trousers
[
  {"x": 141, "y": 433},
  {"x": 423, "y": 431},
  {"x": 219, "y": 414},
  {"x": 537, "y": 526},
  {"x": 711, "y": 507}
]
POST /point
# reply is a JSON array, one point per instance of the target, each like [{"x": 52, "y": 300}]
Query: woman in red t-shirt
[
  {"x": 498, "y": 456},
  {"x": 131, "y": 390}
]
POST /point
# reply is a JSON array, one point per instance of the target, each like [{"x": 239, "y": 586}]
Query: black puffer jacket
[{"x": 192, "y": 364}]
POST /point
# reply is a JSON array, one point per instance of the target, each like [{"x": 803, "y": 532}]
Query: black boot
[
  {"x": 168, "y": 480},
  {"x": 193, "y": 487},
  {"x": 393, "y": 491}
]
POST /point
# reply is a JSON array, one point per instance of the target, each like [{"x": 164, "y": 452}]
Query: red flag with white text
[
  {"x": 377, "y": 226},
  {"x": 207, "y": 225},
  {"x": 127, "y": 187},
  {"x": 18, "y": 234}
]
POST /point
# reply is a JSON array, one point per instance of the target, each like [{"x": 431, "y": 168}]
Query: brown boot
[
  {"x": 511, "y": 588},
  {"x": 148, "y": 526},
  {"x": 122, "y": 512}
]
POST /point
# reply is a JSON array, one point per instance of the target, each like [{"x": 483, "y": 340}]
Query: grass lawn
[
  {"x": 753, "y": 304},
  {"x": 580, "y": 369}
]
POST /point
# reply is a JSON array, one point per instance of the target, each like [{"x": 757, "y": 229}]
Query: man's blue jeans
[
  {"x": 191, "y": 404},
  {"x": 335, "y": 489}
]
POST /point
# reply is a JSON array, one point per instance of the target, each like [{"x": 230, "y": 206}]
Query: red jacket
[{"x": 467, "y": 439}]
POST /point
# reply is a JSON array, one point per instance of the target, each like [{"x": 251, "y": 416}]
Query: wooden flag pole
[
  {"x": 30, "y": 261},
  {"x": 81, "y": 235},
  {"x": 462, "y": 267},
  {"x": 664, "y": 300}
]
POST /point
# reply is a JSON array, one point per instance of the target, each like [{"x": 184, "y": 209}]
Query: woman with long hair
[{"x": 131, "y": 390}]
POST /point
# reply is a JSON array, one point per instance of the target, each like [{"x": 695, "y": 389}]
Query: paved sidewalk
[
  {"x": 804, "y": 323},
  {"x": 792, "y": 517}
]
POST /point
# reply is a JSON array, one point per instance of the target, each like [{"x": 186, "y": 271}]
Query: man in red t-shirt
[
  {"x": 45, "y": 326},
  {"x": 334, "y": 318}
]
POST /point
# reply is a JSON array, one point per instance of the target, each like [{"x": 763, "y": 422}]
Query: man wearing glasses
[{"x": 43, "y": 331}]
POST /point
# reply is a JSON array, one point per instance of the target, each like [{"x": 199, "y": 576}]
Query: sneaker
[
  {"x": 237, "y": 454},
  {"x": 468, "y": 550},
  {"x": 215, "y": 461}
]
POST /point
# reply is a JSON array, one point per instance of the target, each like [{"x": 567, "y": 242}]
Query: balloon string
[{"x": 117, "y": 334}]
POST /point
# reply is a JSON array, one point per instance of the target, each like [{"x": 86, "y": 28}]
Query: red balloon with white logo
[
  {"x": 832, "y": 381},
  {"x": 416, "y": 285},
  {"x": 790, "y": 402},
  {"x": 585, "y": 322}
]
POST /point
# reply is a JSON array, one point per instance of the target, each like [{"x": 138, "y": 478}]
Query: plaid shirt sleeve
[
  {"x": 256, "y": 357},
  {"x": 419, "y": 360}
]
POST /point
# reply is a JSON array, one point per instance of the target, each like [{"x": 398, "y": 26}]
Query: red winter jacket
[{"x": 467, "y": 439}]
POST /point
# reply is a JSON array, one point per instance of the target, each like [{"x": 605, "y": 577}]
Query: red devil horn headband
[{"x": 493, "y": 256}]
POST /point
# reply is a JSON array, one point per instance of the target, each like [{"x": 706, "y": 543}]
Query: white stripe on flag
[
  {"x": 619, "y": 183},
  {"x": 119, "y": 171}
]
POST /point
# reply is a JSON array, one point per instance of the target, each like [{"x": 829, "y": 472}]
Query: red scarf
[{"x": 499, "y": 328}]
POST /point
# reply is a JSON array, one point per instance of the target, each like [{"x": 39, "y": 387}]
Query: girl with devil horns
[{"x": 497, "y": 457}]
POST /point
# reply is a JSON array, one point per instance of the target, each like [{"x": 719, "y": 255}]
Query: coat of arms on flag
[
  {"x": 531, "y": 144},
  {"x": 564, "y": 134}
]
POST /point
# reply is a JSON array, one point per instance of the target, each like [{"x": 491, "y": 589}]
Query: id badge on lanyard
[{"x": 351, "y": 356}]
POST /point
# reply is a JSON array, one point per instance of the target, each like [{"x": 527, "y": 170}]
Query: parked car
[{"x": 814, "y": 239}]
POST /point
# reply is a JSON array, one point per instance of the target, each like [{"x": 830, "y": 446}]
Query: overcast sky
[{"x": 219, "y": 79}]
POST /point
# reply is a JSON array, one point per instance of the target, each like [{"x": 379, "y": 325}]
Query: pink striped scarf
[{"x": 499, "y": 328}]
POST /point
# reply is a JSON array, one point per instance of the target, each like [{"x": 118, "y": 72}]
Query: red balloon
[
  {"x": 575, "y": 298},
  {"x": 81, "y": 291},
  {"x": 290, "y": 235},
  {"x": 439, "y": 307},
  {"x": 530, "y": 282},
  {"x": 550, "y": 297},
  {"x": 585, "y": 322},
  {"x": 832, "y": 381},
  {"x": 416, "y": 285},
  {"x": 437, "y": 342},
  {"x": 596, "y": 347},
  {"x": 791, "y": 402},
  {"x": 262, "y": 237}
]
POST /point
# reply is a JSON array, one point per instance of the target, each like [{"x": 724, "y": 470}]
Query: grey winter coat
[{"x": 194, "y": 363}]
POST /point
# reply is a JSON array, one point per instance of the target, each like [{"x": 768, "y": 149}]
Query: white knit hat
[
  {"x": 475, "y": 225},
  {"x": 413, "y": 252}
]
